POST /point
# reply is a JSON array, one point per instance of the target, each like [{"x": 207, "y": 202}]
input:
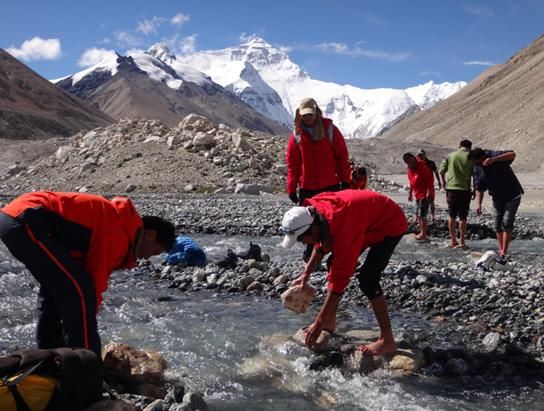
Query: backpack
[
  {"x": 330, "y": 134},
  {"x": 50, "y": 380}
]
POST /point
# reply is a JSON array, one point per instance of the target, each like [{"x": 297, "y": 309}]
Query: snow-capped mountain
[
  {"x": 250, "y": 67},
  {"x": 428, "y": 94},
  {"x": 154, "y": 84}
]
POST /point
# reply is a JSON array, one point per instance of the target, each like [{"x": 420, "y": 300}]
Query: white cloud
[
  {"x": 150, "y": 26},
  {"x": 479, "y": 63},
  {"x": 344, "y": 49},
  {"x": 37, "y": 49},
  {"x": 92, "y": 56},
  {"x": 187, "y": 45},
  {"x": 244, "y": 38},
  {"x": 481, "y": 11},
  {"x": 430, "y": 73},
  {"x": 125, "y": 39},
  {"x": 179, "y": 19}
]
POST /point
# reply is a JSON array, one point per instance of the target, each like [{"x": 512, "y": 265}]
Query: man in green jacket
[{"x": 458, "y": 168}]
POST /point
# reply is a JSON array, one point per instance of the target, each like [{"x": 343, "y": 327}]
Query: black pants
[
  {"x": 66, "y": 300},
  {"x": 375, "y": 262}
]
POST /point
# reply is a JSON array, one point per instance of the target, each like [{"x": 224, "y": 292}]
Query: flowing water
[{"x": 235, "y": 348}]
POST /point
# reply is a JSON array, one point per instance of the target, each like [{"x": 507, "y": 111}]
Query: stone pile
[{"x": 234, "y": 156}]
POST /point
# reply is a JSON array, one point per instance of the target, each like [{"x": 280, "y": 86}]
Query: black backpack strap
[
  {"x": 19, "y": 402},
  {"x": 11, "y": 384}
]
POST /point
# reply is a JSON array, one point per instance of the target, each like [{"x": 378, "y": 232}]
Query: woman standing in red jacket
[{"x": 317, "y": 157}]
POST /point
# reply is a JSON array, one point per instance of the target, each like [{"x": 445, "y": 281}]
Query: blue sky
[{"x": 368, "y": 44}]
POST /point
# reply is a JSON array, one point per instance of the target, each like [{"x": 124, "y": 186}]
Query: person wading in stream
[
  {"x": 346, "y": 223},
  {"x": 71, "y": 243}
]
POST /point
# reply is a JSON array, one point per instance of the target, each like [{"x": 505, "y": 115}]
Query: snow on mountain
[
  {"x": 359, "y": 113},
  {"x": 428, "y": 94},
  {"x": 157, "y": 62}
]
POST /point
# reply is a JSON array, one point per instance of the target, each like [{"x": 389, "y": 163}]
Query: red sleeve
[
  {"x": 341, "y": 155},
  {"x": 293, "y": 161},
  {"x": 342, "y": 268},
  {"x": 106, "y": 253}
]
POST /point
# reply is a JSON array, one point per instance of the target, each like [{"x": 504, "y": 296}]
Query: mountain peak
[
  {"x": 161, "y": 52},
  {"x": 255, "y": 41}
]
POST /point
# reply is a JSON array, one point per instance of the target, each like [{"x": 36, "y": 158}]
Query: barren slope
[{"x": 501, "y": 109}]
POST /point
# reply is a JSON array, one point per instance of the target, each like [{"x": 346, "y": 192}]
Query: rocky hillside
[
  {"x": 146, "y": 156},
  {"x": 33, "y": 108},
  {"x": 141, "y": 86},
  {"x": 501, "y": 109}
]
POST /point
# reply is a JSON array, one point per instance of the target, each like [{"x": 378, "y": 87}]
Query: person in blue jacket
[{"x": 186, "y": 251}]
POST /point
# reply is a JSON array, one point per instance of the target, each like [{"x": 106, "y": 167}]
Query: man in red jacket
[
  {"x": 345, "y": 224},
  {"x": 422, "y": 188},
  {"x": 71, "y": 243}
]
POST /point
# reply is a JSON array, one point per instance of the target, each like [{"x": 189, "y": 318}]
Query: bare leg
[
  {"x": 462, "y": 231},
  {"x": 451, "y": 226},
  {"x": 506, "y": 239},
  {"x": 386, "y": 343},
  {"x": 422, "y": 229},
  {"x": 500, "y": 241}
]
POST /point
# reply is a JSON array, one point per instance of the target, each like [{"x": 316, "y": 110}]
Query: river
[{"x": 235, "y": 349}]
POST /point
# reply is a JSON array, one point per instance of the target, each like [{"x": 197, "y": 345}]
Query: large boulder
[
  {"x": 140, "y": 372},
  {"x": 196, "y": 123}
]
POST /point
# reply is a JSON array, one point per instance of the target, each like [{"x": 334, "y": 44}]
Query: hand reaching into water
[{"x": 312, "y": 333}]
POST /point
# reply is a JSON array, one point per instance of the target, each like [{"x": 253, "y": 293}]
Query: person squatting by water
[
  {"x": 458, "y": 168},
  {"x": 492, "y": 172},
  {"x": 71, "y": 243},
  {"x": 345, "y": 224},
  {"x": 422, "y": 188},
  {"x": 317, "y": 156}
]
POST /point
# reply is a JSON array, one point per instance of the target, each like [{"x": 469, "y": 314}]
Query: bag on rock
[{"x": 50, "y": 380}]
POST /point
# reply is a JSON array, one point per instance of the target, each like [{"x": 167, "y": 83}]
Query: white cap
[{"x": 295, "y": 222}]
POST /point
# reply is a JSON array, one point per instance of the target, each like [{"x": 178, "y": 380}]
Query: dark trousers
[
  {"x": 66, "y": 300},
  {"x": 375, "y": 262}
]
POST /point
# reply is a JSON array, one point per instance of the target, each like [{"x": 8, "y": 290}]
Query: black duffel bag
[{"x": 57, "y": 379}]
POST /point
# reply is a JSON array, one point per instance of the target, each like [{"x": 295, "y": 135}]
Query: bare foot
[
  {"x": 453, "y": 245},
  {"x": 420, "y": 237},
  {"x": 378, "y": 348}
]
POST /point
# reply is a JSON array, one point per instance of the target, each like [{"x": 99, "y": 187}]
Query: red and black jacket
[{"x": 101, "y": 234}]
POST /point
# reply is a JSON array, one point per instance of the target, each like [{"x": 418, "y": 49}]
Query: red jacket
[
  {"x": 312, "y": 165},
  {"x": 421, "y": 180},
  {"x": 113, "y": 225},
  {"x": 357, "y": 219}
]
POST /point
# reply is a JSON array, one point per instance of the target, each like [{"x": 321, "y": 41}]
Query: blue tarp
[{"x": 186, "y": 251}]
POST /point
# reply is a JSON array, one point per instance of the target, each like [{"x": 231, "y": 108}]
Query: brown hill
[
  {"x": 33, "y": 108},
  {"x": 500, "y": 109},
  {"x": 132, "y": 94}
]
